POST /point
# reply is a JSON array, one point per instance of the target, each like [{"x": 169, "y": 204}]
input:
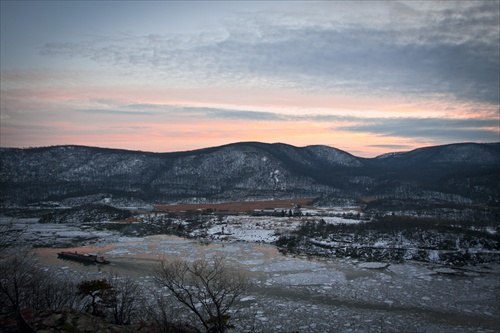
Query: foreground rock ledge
[{"x": 69, "y": 320}]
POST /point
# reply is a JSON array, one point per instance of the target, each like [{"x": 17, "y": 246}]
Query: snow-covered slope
[
  {"x": 463, "y": 153},
  {"x": 245, "y": 171}
]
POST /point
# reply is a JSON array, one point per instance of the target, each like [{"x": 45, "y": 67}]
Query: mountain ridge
[
  {"x": 249, "y": 170},
  {"x": 255, "y": 143}
]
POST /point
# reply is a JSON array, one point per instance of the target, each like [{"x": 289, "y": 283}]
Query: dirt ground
[{"x": 241, "y": 206}]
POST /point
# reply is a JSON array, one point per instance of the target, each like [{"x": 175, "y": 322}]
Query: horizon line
[{"x": 243, "y": 142}]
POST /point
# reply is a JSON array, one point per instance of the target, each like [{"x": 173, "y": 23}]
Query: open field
[{"x": 240, "y": 206}]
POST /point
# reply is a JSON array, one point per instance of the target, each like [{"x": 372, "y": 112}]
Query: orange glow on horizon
[
  {"x": 186, "y": 136},
  {"x": 177, "y": 119}
]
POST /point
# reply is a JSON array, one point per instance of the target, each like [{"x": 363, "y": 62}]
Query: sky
[{"x": 367, "y": 77}]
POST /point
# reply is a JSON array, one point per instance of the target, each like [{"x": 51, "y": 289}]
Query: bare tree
[
  {"x": 24, "y": 287},
  {"x": 123, "y": 299},
  {"x": 18, "y": 278},
  {"x": 98, "y": 291},
  {"x": 9, "y": 235},
  {"x": 161, "y": 311},
  {"x": 54, "y": 292},
  {"x": 206, "y": 287}
]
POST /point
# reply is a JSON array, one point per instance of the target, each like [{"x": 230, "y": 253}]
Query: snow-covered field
[
  {"x": 264, "y": 229},
  {"x": 298, "y": 293}
]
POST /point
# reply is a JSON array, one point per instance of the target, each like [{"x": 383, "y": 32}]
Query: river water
[{"x": 313, "y": 294}]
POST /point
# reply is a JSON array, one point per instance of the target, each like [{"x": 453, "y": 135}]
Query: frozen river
[{"x": 303, "y": 294}]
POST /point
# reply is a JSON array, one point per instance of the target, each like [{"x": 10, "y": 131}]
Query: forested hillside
[{"x": 72, "y": 175}]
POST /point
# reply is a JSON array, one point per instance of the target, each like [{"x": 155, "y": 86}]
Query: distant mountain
[{"x": 73, "y": 175}]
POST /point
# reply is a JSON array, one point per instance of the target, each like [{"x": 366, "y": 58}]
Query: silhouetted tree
[
  {"x": 9, "y": 235},
  {"x": 18, "y": 278},
  {"x": 206, "y": 287},
  {"x": 123, "y": 299},
  {"x": 98, "y": 290}
]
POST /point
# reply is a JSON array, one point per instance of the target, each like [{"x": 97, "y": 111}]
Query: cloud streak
[
  {"x": 485, "y": 130},
  {"x": 116, "y": 112},
  {"x": 446, "y": 51}
]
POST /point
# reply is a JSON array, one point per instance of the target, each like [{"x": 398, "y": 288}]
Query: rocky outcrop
[{"x": 69, "y": 320}]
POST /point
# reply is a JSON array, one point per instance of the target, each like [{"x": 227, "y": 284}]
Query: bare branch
[
  {"x": 9, "y": 235},
  {"x": 206, "y": 287}
]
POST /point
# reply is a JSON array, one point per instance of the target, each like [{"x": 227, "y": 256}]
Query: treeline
[
  {"x": 27, "y": 291},
  {"x": 86, "y": 213},
  {"x": 398, "y": 238},
  {"x": 395, "y": 224},
  {"x": 33, "y": 299}
]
